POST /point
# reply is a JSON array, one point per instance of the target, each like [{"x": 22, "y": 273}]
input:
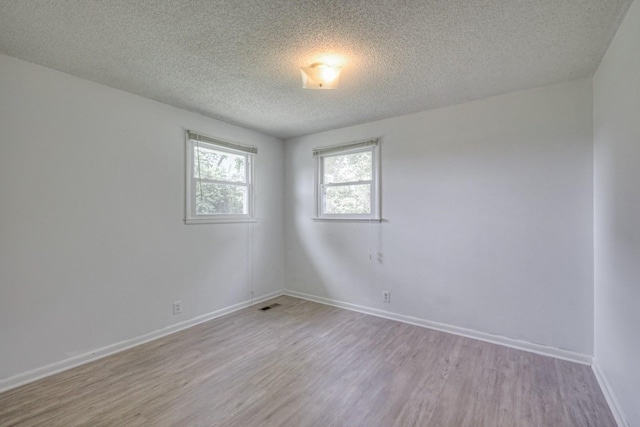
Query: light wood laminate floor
[{"x": 307, "y": 364}]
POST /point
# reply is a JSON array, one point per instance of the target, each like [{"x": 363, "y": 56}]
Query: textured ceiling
[{"x": 239, "y": 60}]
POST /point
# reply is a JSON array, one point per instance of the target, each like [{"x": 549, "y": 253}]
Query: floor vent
[{"x": 269, "y": 307}]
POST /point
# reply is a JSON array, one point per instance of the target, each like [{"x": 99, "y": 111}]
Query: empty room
[{"x": 320, "y": 213}]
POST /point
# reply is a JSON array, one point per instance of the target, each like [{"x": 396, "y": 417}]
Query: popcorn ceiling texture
[{"x": 239, "y": 60}]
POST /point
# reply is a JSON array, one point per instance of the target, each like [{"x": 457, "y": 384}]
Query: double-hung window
[
  {"x": 348, "y": 181},
  {"x": 219, "y": 182}
]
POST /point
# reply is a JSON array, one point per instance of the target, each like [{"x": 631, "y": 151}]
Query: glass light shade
[{"x": 320, "y": 76}]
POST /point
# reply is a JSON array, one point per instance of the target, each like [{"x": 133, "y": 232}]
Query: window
[
  {"x": 219, "y": 181},
  {"x": 347, "y": 181}
]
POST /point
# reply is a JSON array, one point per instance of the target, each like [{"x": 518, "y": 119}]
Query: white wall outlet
[
  {"x": 386, "y": 296},
  {"x": 177, "y": 307}
]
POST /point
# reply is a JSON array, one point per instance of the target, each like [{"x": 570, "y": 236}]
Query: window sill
[
  {"x": 218, "y": 220},
  {"x": 324, "y": 219}
]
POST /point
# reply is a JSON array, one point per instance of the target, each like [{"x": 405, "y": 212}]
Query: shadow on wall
[{"x": 340, "y": 260}]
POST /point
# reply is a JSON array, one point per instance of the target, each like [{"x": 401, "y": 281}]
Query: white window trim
[
  {"x": 193, "y": 140},
  {"x": 354, "y": 147}
]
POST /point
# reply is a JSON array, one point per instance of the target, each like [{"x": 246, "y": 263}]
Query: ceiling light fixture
[{"x": 320, "y": 76}]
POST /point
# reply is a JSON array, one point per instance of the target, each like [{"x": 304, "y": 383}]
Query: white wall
[
  {"x": 488, "y": 211},
  {"x": 617, "y": 215},
  {"x": 93, "y": 248}
]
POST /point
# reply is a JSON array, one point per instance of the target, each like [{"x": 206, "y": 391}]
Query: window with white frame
[
  {"x": 219, "y": 180},
  {"x": 348, "y": 181}
]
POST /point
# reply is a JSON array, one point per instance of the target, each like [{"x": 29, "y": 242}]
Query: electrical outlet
[
  {"x": 386, "y": 296},
  {"x": 177, "y": 307}
]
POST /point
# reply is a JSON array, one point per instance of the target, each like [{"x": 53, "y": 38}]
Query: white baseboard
[
  {"x": 469, "y": 333},
  {"x": 613, "y": 402},
  {"x": 81, "y": 359},
  {"x": 63, "y": 365}
]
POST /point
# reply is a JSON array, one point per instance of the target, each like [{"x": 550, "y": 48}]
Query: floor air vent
[{"x": 269, "y": 307}]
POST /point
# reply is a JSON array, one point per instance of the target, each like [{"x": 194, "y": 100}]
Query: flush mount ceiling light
[{"x": 320, "y": 76}]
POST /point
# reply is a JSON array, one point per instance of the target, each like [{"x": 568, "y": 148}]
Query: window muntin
[
  {"x": 219, "y": 181},
  {"x": 347, "y": 184}
]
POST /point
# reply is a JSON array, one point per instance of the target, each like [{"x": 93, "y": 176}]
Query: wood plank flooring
[{"x": 307, "y": 364}]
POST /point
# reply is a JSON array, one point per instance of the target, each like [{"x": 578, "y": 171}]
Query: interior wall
[
  {"x": 93, "y": 248},
  {"x": 488, "y": 218},
  {"x": 617, "y": 215}
]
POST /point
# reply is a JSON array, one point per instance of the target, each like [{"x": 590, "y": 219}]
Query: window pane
[
  {"x": 348, "y": 168},
  {"x": 348, "y": 199},
  {"x": 213, "y": 199},
  {"x": 218, "y": 165}
]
